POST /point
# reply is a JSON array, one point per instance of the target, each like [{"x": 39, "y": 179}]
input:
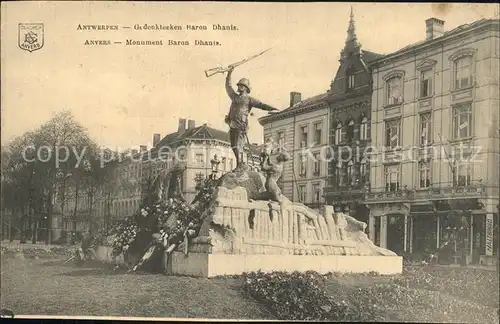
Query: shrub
[
  {"x": 294, "y": 296},
  {"x": 476, "y": 285}
]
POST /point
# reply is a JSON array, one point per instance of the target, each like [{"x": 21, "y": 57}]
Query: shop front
[
  {"x": 389, "y": 226},
  {"x": 458, "y": 231}
]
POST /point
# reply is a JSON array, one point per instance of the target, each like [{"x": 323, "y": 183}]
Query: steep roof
[
  {"x": 196, "y": 133},
  {"x": 200, "y": 132},
  {"x": 351, "y": 45},
  {"x": 369, "y": 56}
]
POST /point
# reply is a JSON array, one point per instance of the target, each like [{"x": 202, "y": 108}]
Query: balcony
[
  {"x": 346, "y": 192},
  {"x": 435, "y": 192},
  {"x": 389, "y": 196}
]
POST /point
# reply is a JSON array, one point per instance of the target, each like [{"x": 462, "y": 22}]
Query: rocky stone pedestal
[{"x": 243, "y": 235}]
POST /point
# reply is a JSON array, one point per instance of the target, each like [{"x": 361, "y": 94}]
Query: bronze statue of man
[{"x": 237, "y": 119}]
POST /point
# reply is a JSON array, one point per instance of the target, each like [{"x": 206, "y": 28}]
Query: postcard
[{"x": 250, "y": 161}]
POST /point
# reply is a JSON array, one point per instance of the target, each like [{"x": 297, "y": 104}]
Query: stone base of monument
[
  {"x": 104, "y": 254},
  {"x": 241, "y": 235},
  {"x": 211, "y": 265}
]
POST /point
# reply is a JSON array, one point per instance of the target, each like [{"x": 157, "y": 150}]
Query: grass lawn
[
  {"x": 440, "y": 295},
  {"x": 47, "y": 286}
]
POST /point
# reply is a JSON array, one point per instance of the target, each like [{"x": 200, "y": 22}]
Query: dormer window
[
  {"x": 350, "y": 83},
  {"x": 350, "y": 78}
]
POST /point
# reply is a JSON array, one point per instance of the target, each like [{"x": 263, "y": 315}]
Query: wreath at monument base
[{"x": 157, "y": 226}]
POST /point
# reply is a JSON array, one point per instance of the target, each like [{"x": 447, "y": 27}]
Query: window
[
  {"x": 350, "y": 80},
  {"x": 426, "y": 83},
  {"x": 362, "y": 171},
  {"x": 317, "y": 133},
  {"x": 281, "y": 141},
  {"x": 339, "y": 174},
  {"x": 462, "y": 121},
  {"x": 302, "y": 193},
  {"x": 316, "y": 193},
  {"x": 363, "y": 129},
  {"x": 392, "y": 130},
  {"x": 303, "y": 136},
  {"x": 350, "y": 130},
  {"x": 425, "y": 174},
  {"x": 392, "y": 178},
  {"x": 317, "y": 165},
  {"x": 230, "y": 164},
  {"x": 199, "y": 158},
  {"x": 462, "y": 68},
  {"x": 349, "y": 173},
  {"x": 394, "y": 90},
  {"x": 463, "y": 173},
  {"x": 425, "y": 129},
  {"x": 303, "y": 166},
  {"x": 338, "y": 134},
  {"x": 349, "y": 73}
]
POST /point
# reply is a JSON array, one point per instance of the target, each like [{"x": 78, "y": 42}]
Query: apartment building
[
  {"x": 435, "y": 130},
  {"x": 350, "y": 116}
]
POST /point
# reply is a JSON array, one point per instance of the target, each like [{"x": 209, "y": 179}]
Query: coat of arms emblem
[{"x": 30, "y": 36}]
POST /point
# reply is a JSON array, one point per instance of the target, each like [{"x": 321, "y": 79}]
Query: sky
[{"x": 124, "y": 94}]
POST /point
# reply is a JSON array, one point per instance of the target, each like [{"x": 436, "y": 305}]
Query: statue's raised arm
[{"x": 229, "y": 88}]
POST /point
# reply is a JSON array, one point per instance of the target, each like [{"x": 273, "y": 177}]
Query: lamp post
[{"x": 215, "y": 166}]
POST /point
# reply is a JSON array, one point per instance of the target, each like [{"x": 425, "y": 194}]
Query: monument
[
  {"x": 242, "y": 222},
  {"x": 250, "y": 226}
]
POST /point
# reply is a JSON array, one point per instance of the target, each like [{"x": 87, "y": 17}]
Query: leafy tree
[
  {"x": 44, "y": 163},
  {"x": 18, "y": 183}
]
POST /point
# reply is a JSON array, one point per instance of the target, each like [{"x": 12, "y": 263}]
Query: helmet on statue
[{"x": 246, "y": 83}]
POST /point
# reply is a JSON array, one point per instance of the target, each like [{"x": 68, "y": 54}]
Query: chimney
[
  {"x": 182, "y": 125},
  {"x": 156, "y": 138},
  {"x": 434, "y": 28},
  {"x": 295, "y": 98},
  {"x": 143, "y": 148},
  {"x": 191, "y": 124}
]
